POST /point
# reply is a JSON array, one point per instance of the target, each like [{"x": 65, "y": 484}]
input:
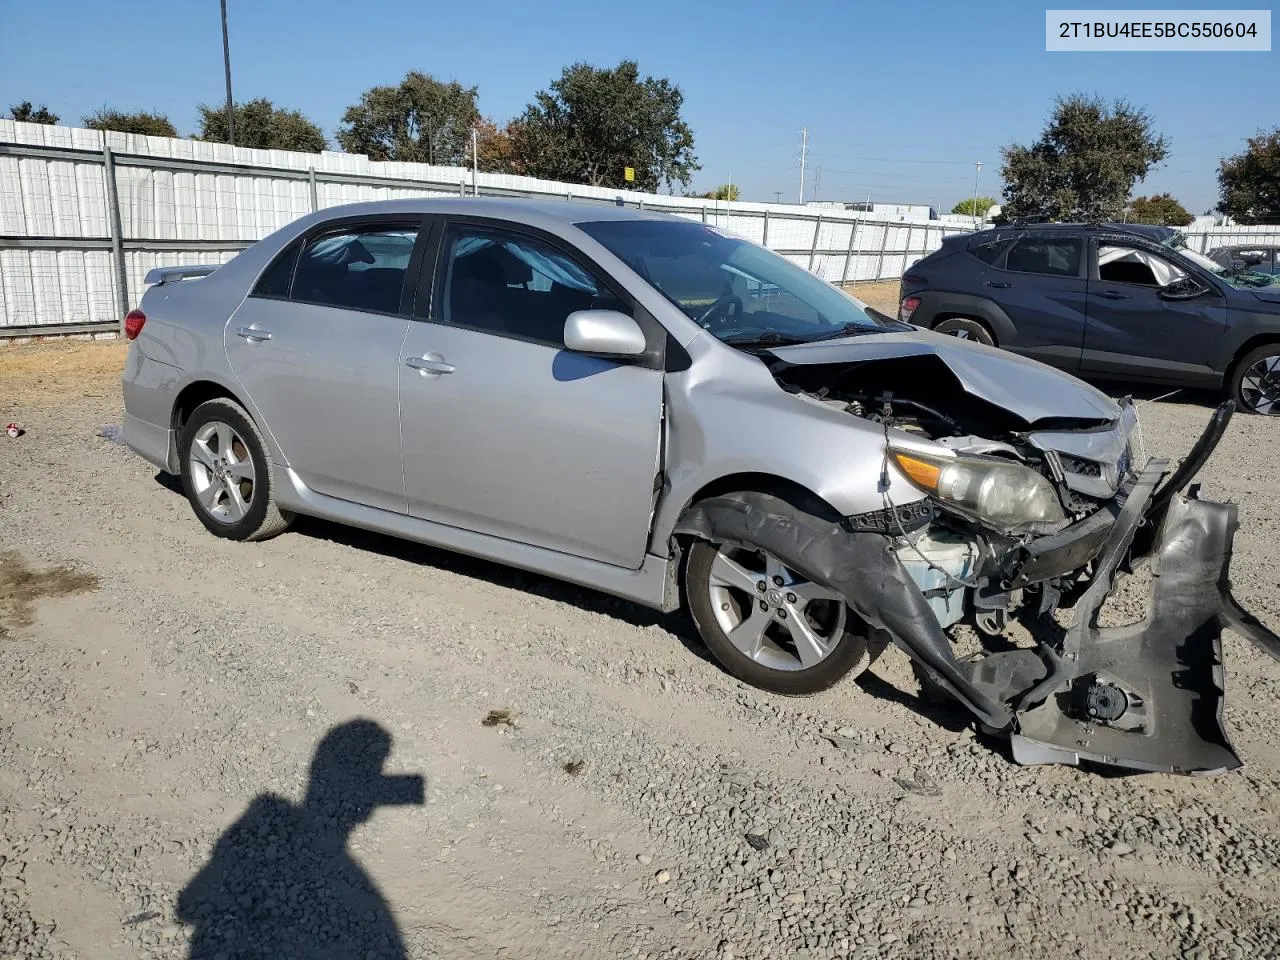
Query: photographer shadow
[{"x": 280, "y": 881}]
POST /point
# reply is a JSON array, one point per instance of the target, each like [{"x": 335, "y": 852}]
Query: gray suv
[
  {"x": 652, "y": 408},
  {"x": 1111, "y": 301}
]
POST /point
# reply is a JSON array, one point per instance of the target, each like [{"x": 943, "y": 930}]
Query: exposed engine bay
[{"x": 1148, "y": 696}]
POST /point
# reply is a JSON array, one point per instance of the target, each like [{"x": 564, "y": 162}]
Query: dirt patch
[
  {"x": 40, "y": 374},
  {"x": 21, "y": 587},
  {"x": 883, "y": 295}
]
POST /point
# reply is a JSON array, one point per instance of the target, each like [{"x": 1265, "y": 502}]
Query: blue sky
[{"x": 900, "y": 98}]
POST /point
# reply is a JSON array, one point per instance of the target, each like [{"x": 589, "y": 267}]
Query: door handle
[
  {"x": 253, "y": 335},
  {"x": 999, "y": 284},
  {"x": 429, "y": 365},
  {"x": 1112, "y": 295}
]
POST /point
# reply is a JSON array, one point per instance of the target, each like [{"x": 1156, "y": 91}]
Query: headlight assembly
[{"x": 1008, "y": 496}]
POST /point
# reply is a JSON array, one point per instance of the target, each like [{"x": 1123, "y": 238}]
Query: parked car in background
[
  {"x": 1106, "y": 301},
  {"x": 646, "y": 406},
  {"x": 1251, "y": 257}
]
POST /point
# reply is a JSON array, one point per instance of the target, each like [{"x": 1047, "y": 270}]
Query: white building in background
[{"x": 894, "y": 211}]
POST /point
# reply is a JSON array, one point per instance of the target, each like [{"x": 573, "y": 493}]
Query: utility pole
[
  {"x": 475, "y": 163},
  {"x": 817, "y": 182},
  {"x": 977, "y": 169},
  {"x": 804, "y": 152},
  {"x": 777, "y": 196},
  {"x": 226, "y": 63}
]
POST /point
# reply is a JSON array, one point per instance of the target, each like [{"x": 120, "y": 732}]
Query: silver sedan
[{"x": 653, "y": 408}]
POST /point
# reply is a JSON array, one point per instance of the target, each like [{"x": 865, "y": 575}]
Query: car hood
[
  {"x": 1027, "y": 389},
  {"x": 1268, "y": 295}
]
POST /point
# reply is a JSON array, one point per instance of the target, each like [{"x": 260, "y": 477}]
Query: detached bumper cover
[{"x": 1148, "y": 696}]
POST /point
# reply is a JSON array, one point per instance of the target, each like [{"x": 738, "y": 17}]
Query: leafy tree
[
  {"x": 1249, "y": 182},
  {"x": 420, "y": 121},
  {"x": 261, "y": 124},
  {"x": 726, "y": 191},
  {"x": 497, "y": 147},
  {"x": 1085, "y": 163},
  {"x": 25, "y": 112},
  {"x": 594, "y": 122},
  {"x": 1161, "y": 209},
  {"x": 151, "y": 124},
  {"x": 974, "y": 208}
]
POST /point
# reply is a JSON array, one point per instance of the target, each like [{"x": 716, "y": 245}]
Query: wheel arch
[
  {"x": 1246, "y": 348},
  {"x": 936, "y": 307},
  {"x": 188, "y": 398}
]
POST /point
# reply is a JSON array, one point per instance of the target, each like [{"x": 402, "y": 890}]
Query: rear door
[
  {"x": 506, "y": 432},
  {"x": 1040, "y": 283},
  {"x": 317, "y": 346},
  {"x": 1133, "y": 332}
]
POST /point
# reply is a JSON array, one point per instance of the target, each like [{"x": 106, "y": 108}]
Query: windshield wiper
[
  {"x": 847, "y": 330},
  {"x": 770, "y": 338}
]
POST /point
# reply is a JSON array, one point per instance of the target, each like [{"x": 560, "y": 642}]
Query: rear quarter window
[{"x": 1050, "y": 257}]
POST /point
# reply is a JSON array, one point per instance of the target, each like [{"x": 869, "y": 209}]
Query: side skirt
[{"x": 646, "y": 586}]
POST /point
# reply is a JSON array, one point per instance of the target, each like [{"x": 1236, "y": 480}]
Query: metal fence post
[
  {"x": 813, "y": 251},
  {"x": 117, "y": 234},
  {"x": 764, "y": 241},
  {"x": 884, "y": 241},
  {"x": 704, "y": 213},
  {"x": 462, "y": 188},
  {"x": 848, "y": 254},
  {"x": 315, "y": 197}
]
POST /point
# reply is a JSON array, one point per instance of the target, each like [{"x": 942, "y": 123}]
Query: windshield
[
  {"x": 738, "y": 291},
  {"x": 1237, "y": 278}
]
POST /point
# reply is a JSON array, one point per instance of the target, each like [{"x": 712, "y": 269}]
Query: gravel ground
[{"x": 192, "y": 737}]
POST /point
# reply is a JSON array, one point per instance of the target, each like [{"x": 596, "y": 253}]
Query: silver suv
[{"x": 650, "y": 407}]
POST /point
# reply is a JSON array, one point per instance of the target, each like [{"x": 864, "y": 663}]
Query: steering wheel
[{"x": 725, "y": 308}]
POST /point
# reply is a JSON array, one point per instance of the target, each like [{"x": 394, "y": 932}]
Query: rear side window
[
  {"x": 1053, "y": 258},
  {"x": 360, "y": 268},
  {"x": 991, "y": 251},
  {"x": 275, "y": 282}
]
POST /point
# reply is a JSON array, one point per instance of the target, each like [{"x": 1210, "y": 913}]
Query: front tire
[
  {"x": 226, "y": 473},
  {"x": 767, "y": 625},
  {"x": 1255, "y": 381},
  {"x": 963, "y": 328}
]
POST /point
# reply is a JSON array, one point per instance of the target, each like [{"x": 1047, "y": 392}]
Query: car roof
[
  {"x": 1148, "y": 231},
  {"x": 517, "y": 209}
]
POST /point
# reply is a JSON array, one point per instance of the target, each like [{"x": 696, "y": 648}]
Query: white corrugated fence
[{"x": 63, "y": 240}]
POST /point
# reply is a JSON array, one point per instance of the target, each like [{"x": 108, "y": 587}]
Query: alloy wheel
[
  {"x": 221, "y": 471},
  {"x": 1260, "y": 386},
  {"x": 770, "y": 613}
]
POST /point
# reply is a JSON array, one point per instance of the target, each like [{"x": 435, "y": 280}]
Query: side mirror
[
  {"x": 603, "y": 333},
  {"x": 1239, "y": 265},
  {"x": 1188, "y": 288}
]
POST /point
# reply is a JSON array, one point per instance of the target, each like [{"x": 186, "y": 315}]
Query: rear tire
[
  {"x": 1255, "y": 381},
  {"x": 776, "y": 664},
  {"x": 963, "y": 328},
  {"x": 226, "y": 473}
]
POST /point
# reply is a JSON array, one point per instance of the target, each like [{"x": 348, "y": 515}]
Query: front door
[
  {"x": 317, "y": 349},
  {"x": 1133, "y": 332},
  {"x": 506, "y": 432}
]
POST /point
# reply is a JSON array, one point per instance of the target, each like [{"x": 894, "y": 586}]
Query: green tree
[
  {"x": 419, "y": 121},
  {"x": 594, "y": 122},
  {"x": 1161, "y": 209},
  {"x": 261, "y": 124},
  {"x": 726, "y": 191},
  {"x": 25, "y": 112},
  {"x": 1085, "y": 163},
  {"x": 1249, "y": 182},
  {"x": 974, "y": 208},
  {"x": 151, "y": 124}
]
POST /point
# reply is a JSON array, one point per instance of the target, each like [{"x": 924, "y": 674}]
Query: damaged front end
[{"x": 1147, "y": 696}]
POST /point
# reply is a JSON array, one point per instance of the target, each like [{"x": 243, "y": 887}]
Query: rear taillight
[
  {"x": 133, "y": 322},
  {"x": 907, "y": 308}
]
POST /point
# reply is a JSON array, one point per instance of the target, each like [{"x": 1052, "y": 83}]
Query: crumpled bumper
[{"x": 1148, "y": 696}]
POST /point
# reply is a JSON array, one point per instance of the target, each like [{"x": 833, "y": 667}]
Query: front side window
[
  {"x": 738, "y": 291},
  {"x": 1117, "y": 264},
  {"x": 514, "y": 285},
  {"x": 359, "y": 268},
  {"x": 1049, "y": 257}
]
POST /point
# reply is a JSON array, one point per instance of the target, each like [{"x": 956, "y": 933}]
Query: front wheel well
[
  {"x": 796, "y": 494},
  {"x": 1253, "y": 343}
]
